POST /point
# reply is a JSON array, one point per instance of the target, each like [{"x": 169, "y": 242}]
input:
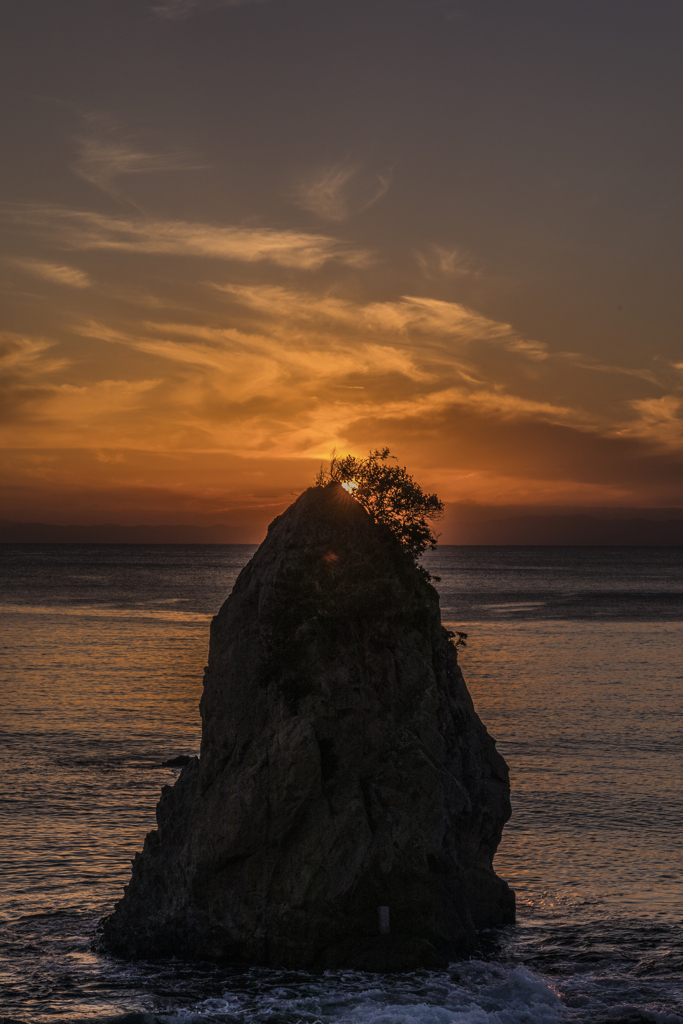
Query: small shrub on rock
[{"x": 391, "y": 496}]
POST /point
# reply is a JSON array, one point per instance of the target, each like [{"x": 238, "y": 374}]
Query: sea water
[{"x": 574, "y": 664}]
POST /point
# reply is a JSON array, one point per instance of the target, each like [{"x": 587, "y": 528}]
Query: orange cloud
[
  {"x": 76, "y": 229},
  {"x": 337, "y": 191},
  {"x": 56, "y": 272},
  {"x": 258, "y": 372}
]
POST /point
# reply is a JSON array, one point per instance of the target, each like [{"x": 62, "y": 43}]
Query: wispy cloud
[
  {"x": 438, "y": 261},
  {"x": 74, "y": 229},
  {"x": 337, "y": 191},
  {"x": 109, "y": 153},
  {"x": 113, "y": 411},
  {"x": 177, "y": 10},
  {"x": 56, "y": 272},
  {"x": 295, "y": 370},
  {"x": 267, "y": 394},
  {"x": 588, "y": 363},
  {"x": 454, "y": 318},
  {"x": 486, "y": 401},
  {"x": 659, "y": 420},
  {"x": 26, "y": 364},
  {"x": 430, "y": 317},
  {"x": 19, "y": 352},
  {"x": 269, "y": 372},
  {"x": 263, "y": 364}
]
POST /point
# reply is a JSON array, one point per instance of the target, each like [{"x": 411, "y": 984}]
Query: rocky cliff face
[{"x": 348, "y": 801}]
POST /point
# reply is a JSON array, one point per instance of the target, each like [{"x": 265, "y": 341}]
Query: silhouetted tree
[{"x": 389, "y": 494}]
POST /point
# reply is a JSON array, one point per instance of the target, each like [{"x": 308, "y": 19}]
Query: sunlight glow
[{"x": 350, "y": 486}]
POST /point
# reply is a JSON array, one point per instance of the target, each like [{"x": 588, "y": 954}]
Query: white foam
[{"x": 472, "y": 993}]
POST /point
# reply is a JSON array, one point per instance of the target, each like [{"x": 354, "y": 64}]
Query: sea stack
[{"x": 348, "y": 801}]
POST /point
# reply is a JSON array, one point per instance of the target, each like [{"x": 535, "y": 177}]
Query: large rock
[{"x": 343, "y": 769}]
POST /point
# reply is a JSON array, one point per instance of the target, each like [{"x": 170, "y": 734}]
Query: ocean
[{"x": 574, "y": 664}]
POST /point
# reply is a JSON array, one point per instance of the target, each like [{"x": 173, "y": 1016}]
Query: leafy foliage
[
  {"x": 462, "y": 638},
  {"x": 389, "y": 494}
]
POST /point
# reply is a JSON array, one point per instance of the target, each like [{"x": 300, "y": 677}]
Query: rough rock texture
[{"x": 342, "y": 769}]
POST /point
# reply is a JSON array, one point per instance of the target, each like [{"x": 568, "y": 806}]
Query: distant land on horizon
[{"x": 464, "y": 523}]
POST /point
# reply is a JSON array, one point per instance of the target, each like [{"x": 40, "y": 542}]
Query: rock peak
[{"x": 348, "y": 801}]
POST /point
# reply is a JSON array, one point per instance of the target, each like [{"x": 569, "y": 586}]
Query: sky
[{"x": 238, "y": 235}]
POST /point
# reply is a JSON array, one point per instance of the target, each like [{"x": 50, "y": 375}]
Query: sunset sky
[{"x": 238, "y": 235}]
